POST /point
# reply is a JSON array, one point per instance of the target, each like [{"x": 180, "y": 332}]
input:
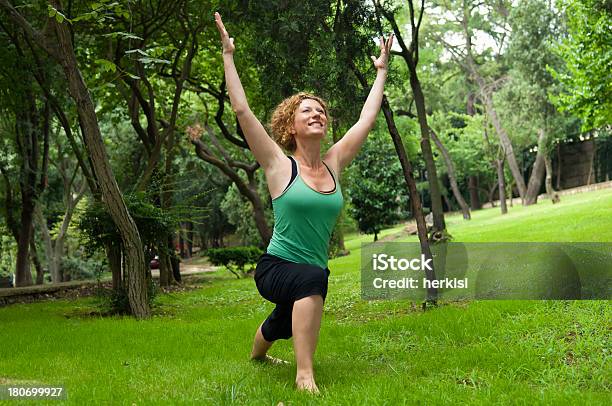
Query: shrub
[
  {"x": 78, "y": 268},
  {"x": 235, "y": 259},
  {"x": 8, "y": 252}
]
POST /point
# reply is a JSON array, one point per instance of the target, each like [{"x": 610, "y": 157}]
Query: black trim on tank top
[
  {"x": 293, "y": 172},
  {"x": 333, "y": 177},
  {"x": 294, "y": 175}
]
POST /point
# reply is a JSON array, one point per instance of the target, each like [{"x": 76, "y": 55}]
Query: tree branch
[
  {"x": 219, "y": 119},
  {"x": 35, "y": 35}
]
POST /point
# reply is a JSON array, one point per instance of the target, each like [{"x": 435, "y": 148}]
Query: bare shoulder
[{"x": 278, "y": 174}]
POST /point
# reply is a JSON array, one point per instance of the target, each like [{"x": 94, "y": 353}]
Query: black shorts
[{"x": 283, "y": 282}]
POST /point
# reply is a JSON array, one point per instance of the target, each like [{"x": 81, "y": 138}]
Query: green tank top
[{"x": 304, "y": 219}]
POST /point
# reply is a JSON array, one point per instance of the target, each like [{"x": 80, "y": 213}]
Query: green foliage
[
  {"x": 154, "y": 224},
  {"x": 523, "y": 102},
  {"x": 463, "y": 136},
  {"x": 235, "y": 259},
  {"x": 82, "y": 268},
  {"x": 239, "y": 212},
  {"x": 8, "y": 252},
  {"x": 376, "y": 189},
  {"x": 310, "y": 43},
  {"x": 202, "y": 186},
  {"x": 587, "y": 87}
]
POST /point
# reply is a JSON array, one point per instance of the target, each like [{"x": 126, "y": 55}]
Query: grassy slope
[{"x": 195, "y": 349}]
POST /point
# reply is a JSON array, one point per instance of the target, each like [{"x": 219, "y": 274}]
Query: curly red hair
[{"x": 283, "y": 117}]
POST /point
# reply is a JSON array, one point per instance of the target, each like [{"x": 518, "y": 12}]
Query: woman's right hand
[{"x": 228, "y": 43}]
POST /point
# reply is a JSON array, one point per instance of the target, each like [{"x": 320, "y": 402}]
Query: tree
[
  {"x": 238, "y": 212},
  {"x": 450, "y": 168},
  {"x": 31, "y": 115},
  {"x": 73, "y": 188},
  {"x": 64, "y": 55},
  {"x": 358, "y": 52},
  {"x": 229, "y": 167},
  {"x": 585, "y": 78},
  {"x": 375, "y": 189},
  {"x": 470, "y": 18},
  {"x": 410, "y": 54},
  {"x": 525, "y": 98}
]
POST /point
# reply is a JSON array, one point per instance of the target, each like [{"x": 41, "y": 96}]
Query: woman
[{"x": 306, "y": 199}]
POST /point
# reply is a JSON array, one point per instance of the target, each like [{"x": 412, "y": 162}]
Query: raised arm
[
  {"x": 266, "y": 151},
  {"x": 344, "y": 151}
]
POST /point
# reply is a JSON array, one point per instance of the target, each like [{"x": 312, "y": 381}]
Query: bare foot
[
  {"x": 271, "y": 360},
  {"x": 307, "y": 385}
]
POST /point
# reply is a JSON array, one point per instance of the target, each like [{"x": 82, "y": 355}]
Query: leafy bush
[
  {"x": 239, "y": 212},
  {"x": 154, "y": 226},
  {"x": 153, "y": 223},
  {"x": 77, "y": 268},
  {"x": 235, "y": 259},
  {"x": 8, "y": 252},
  {"x": 376, "y": 190}
]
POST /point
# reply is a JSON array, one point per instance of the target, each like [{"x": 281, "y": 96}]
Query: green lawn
[{"x": 195, "y": 349}]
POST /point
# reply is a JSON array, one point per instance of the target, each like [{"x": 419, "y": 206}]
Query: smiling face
[
  {"x": 310, "y": 119},
  {"x": 302, "y": 114}
]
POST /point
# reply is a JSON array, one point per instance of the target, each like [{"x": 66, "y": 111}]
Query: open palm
[
  {"x": 226, "y": 41},
  {"x": 385, "y": 50}
]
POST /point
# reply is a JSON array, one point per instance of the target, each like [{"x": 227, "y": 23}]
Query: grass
[{"x": 195, "y": 348}]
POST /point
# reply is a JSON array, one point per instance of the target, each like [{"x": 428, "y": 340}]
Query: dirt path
[{"x": 189, "y": 269}]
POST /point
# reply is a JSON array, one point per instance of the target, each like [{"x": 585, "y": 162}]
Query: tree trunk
[
  {"x": 176, "y": 268},
  {"x": 505, "y": 143},
  {"x": 165, "y": 269},
  {"x": 548, "y": 179},
  {"x": 415, "y": 200},
  {"x": 552, "y": 195},
  {"x": 591, "y": 161},
  {"x": 492, "y": 194},
  {"x": 182, "y": 239},
  {"x": 23, "y": 275},
  {"x": 52, "y": 259},
  {"x": 27, "y": 143},
  {"x": 559, "y": 166},
  {"x": 137, "y": 291},
  {"x": 450, "y": 167},
  {"x": 54, "y": 249},
  {"x": 501, "y": 185},
  {"x": 473, "y": 189},
  {"x": 40, "y": 274},
  {"x": 244, "y": 188},
  {"x": 448, "y": 203},
  {"x": 485, "y": 94},
  {"x": 410, "y": 55},
  {"x": 190, "y": 235},
  {"x": 537, "y": 173},
  {"x": 439, "y": 226},
  {"x": 113, "y": 253},
  {"x": 166, "y": 274}
]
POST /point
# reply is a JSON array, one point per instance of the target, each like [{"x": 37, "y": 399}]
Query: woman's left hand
[{"x": 385, "y": 51}]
